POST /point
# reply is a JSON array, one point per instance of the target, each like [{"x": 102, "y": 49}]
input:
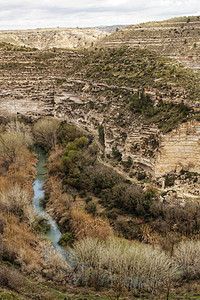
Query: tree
[{"x": 45, "y": 132}]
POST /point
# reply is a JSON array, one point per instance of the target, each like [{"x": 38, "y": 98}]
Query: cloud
[{"x": 18, "y": 14}]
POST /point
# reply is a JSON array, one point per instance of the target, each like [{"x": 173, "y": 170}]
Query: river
[{"x": 54, "y": 233}]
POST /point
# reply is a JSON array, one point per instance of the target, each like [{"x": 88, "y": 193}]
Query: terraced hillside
[
  {"x": 177, "y": 38},
  {"x": 138, "y": 97}
]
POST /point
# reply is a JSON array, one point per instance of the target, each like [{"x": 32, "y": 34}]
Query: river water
[{"x": 54, "y": 233}]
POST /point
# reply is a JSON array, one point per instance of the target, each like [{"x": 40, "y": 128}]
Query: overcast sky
[{"x": 25, "y": 14}]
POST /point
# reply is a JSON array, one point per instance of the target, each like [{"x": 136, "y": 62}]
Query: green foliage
[
  {"x": 141, "y": 103},
  {"x": 66, "y": 239},
  {"x": 139, "y": 68},
  {"x": 127, "y": 164},
  {"x": 41, "y": 225},
  {"x": 10, "y": 296},
  {"x": 67, "y": 133},
  {"x": 88, "y": 199}
]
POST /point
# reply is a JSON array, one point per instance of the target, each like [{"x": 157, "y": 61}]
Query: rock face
[
  {"x": 36, "y": 84},
  {"x": 179, "y": 150},
  {"x": 177, "y": 38},
  {"x": 70, "y": 38}
]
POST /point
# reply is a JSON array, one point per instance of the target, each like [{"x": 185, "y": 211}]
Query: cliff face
[
  {"x": 177, "y": 38},
  {"x": 179, "y": 150}
]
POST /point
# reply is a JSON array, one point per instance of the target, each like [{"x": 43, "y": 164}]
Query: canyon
[{"x": 56, "y": 83}]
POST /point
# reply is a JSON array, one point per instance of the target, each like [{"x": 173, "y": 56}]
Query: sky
[{"x": 28, "y": 14}]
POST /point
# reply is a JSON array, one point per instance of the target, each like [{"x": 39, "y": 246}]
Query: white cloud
[{"x": 51, "y": 13}]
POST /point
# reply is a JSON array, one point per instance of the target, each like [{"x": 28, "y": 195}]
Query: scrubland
[
  {"x": 120, "y": 239},
  {"x": 119, "y": 236}
]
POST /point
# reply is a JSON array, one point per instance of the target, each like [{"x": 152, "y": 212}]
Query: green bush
[
  {"x": 41, "y": 225},
  {"x": 116, "y": 154},
  {"x": 66, "y": 239}
]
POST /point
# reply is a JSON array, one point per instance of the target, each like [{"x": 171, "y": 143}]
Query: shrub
[
  {"x": 66, "y": 239},
  {"x": 41, "y": 225},
  {"x": 141, "y": 175},
  {"x": 11, "y": 278},
  {"x": 170, "y": 179},
  {"x": 56, "y": 268},
  {"x": 88, "y": 199},
  {"x": 121, "y": 264},
  {"x": 2, "y": 224},
  {"x": 116, "y": 154},
  {"x": 45, "y": 132},
  {"x": 83, "y": 225},
  {"x": 101, "y": 134},
  {"x": 186, "y": 256},
  {"x": 12, "y": 141},
  {"x": 17, "y": 200}
]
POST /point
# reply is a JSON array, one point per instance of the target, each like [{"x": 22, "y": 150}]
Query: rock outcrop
[{"x": 179, "y": 150}]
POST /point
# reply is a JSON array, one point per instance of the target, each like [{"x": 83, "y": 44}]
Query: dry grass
[
  {"x": 21, "y": 171},
  {"x": 20, "y": 239},
  {"x": 84, "y": 225},
  {"x": 17, "y": 201}
]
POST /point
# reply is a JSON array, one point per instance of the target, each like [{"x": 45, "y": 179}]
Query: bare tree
[{"x": 45, "y": 132}]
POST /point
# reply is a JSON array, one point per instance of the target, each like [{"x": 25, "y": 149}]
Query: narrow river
[{"x": 54, "y": 233}]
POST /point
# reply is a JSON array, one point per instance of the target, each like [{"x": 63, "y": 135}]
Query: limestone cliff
[{"x": 179, "y": 150}]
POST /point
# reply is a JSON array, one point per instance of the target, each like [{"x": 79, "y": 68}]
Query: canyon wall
[{"x": 179, "y": 149}]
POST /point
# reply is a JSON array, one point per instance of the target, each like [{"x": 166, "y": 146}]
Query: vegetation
[
  {"x": 138, "y": 68},
  {"x": 45, "y": 132},
  {"x": 96, "y": 208},
  {"x": 100, "y": 259}
]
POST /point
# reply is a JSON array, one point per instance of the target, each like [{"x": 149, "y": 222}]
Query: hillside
[
  {"x": 101, "y": 87},
  {"x": 178, "y": 38},
  {"x": 70, "y": 38}
]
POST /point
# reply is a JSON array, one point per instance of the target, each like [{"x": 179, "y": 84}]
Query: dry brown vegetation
[
  {"x": 19, "y": 245},
  {"x": 84, "y": 225},
  {"x": 122, "y": 265}
]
